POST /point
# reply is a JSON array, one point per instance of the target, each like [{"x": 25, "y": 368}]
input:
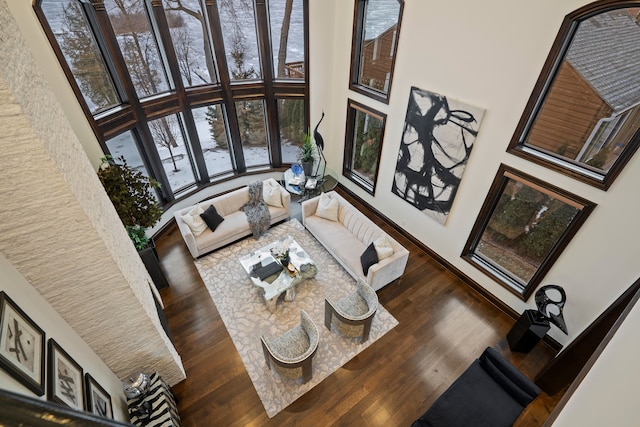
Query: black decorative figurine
[
  {"x": 320, "y": 144},
  {"x": 550, "y": 308}
]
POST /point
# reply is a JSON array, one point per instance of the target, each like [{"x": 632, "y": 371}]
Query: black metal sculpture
[
  {"x": 320, "y": 144},
  {"x": 551, "y": 309}
]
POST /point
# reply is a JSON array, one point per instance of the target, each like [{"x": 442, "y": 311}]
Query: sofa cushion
[
  {"x": 194, "y": 220},
  {"x": 383, "y": 247},
  {"x": 368, "y": 258},
  {"x": 271, "y": 194},
  {"x": 212, "y": 218},
  {"x": 327, "y": 207}
]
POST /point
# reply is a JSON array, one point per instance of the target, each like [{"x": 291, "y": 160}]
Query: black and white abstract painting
[{"x": 436, "y": 143}]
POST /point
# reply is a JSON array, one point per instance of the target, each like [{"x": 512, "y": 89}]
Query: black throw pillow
[
  {"x": 212, "y": 218},
  {"x": 368, "y": 258}
]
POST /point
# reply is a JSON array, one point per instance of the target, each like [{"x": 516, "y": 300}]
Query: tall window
[
  {"x": 523, "y": 227},
  {"x": 375, "y": 42},
  {"x": 238, "y": 21},
  {"x": 130, "y": 22},
  {"x": 363, "y": 145},
  {"x": 175, "y": 155},
  {"x": 178, "y": 87},
  {"x": 214, "y": 141},
  {"x": 71, "y": 30},
  {"x": 583, "y": 117},
  {"x": 286, "y": 20},
  {"x": 190, "y": 35}
]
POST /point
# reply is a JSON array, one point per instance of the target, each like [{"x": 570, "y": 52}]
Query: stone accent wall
[{"x": 59, "y": 229}]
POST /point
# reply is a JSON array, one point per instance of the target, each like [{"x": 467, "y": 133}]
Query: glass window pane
[
  {"x": 363, "y": 145},
  {"x": 291, "y": 117},
  {"x": 124, "y": 145},
  {"x": 191, "y": 41},
  {"x": 138, "y": 45},
  {"x": 367, "y": 138},
  {"x": 76, "y": 40},
  {"x": 237, "y": 18},
  {"x": 174, "y": 153},
  {"x": 592, "y": 109},
  {"x": 253, "y": 132},
  {"x": 212, "y": 133},
  {"x": 524, "y": 228},
  {"x": 378, "y": 44},
  {"x": 287, "y": 38}
]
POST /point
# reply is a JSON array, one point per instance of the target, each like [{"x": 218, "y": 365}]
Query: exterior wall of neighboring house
[
  {"x": 376, "y": 59},
  {"x": 563, "y": 130}
]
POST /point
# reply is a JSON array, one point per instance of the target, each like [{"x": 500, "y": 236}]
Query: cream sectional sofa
[
  {"x": 348, "y": 237},
  {"x": 235, "y": 225}
]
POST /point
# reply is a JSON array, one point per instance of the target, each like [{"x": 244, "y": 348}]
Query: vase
[{"x": 307, "y": 167}]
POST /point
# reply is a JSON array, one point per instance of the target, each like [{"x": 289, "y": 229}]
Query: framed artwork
[
  {"x": 98, "y": 400},
  {"x": 363, "y": 145},
  {"x": 64, "y": 378},
  {"x": 437, "y": 139},
  {"x": 583, "y": 116},
  {"x": 522, "y": 229},
  {"x": 22, "y": 349}
]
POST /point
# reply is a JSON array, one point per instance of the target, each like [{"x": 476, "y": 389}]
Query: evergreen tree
[
  {"x": 217, "y": 128},
  {"x": 85, "y": 59}
]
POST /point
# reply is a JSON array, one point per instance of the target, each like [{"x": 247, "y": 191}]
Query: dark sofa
[{"x": 490, "y": 393}]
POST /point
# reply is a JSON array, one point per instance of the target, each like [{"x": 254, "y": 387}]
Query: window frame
[
  {"x": 356, "y": 53},
  {"x": 517, "y": 286},
  {"x": 542, "y": 88},
  {"x": 134, "y": 113},
  {"x": 350, "y": 144}
]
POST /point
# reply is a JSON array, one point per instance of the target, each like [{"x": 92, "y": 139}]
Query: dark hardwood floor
[{"x": 443, "y": 326}]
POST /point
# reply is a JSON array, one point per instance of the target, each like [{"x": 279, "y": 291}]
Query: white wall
[
  {"x": 54, "y": 326},
  {"x": 488, "y": 54},
  {"x": 608, "y": 395}
]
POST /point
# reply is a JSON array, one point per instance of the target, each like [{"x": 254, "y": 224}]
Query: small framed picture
[
  {"x": 98, "y": 400},
  {"x": 64, "y": 378},
  {"x": 22, "y": 349}
]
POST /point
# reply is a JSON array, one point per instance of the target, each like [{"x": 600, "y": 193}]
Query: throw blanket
[{"x": 256, "y": 210}]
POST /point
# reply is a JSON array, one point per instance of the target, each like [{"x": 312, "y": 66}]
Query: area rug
[{"x": 246, "y": 317}]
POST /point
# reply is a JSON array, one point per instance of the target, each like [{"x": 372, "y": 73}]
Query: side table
[
  {"x": 528, "y": 330},
  {"x": 163, "y": 409}
]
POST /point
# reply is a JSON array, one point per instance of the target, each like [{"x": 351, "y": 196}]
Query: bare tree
[
  {"x": 284, "y": 38},
  {"x": 163, "y": 131},
  {"x": 187, "y": 63},
  {"x": 179, "y": 6}
]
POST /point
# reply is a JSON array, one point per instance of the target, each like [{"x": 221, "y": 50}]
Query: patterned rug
[{"x": 246, "y": 317}]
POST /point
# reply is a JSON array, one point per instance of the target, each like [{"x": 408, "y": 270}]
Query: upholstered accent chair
[
  {"x": 353, "y": 314},
  {"x": 291, "y": 354}
]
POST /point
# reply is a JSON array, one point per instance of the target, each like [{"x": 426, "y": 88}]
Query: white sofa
[
  {"x": 235, "y": 225},
  {"x": 348, "y": 237}
]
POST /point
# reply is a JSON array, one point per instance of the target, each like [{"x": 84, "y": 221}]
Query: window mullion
[{"x": 264, "y": 45}]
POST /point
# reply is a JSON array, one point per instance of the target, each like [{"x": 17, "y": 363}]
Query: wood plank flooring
[{"x": 443, "y": 326}]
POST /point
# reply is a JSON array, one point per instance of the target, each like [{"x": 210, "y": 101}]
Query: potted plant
[
  {"x": 130, "y": 192},
  {"x": 307, "y": 155}
]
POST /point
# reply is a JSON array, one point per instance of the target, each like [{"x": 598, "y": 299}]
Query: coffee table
[{"x": 260, "y": 262}]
